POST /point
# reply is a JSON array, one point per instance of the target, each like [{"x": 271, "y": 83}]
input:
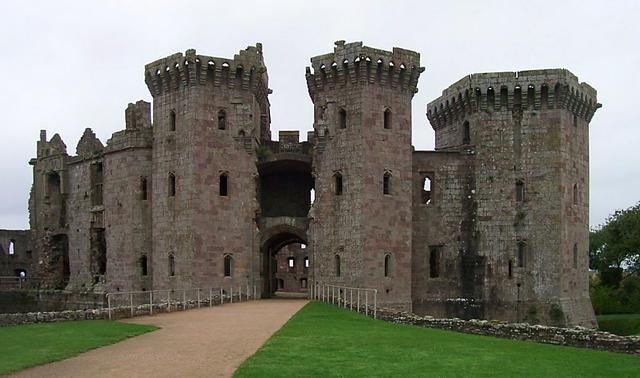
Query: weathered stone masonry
[{"x": 492, "y": 224}]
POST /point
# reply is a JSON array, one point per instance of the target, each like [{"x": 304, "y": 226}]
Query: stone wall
[
  {"x": 21, "y": 300},
  {"x": 577, "y": 337}
]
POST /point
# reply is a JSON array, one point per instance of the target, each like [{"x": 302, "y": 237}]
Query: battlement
[
  {"x": 508, "y": 91},
  {"x": 353, "y": 63},
  {"x": 246, "y": 71}
]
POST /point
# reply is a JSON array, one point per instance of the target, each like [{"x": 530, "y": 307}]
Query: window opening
[
  {"x": 172, "y": 265},
  {"x": 519, "y": 191},
  {"x": 338, "y": 184},
  {"x": 172, "y": 185},
  {"x": 522, "y": 249},
  {"x": 434, "y": 262},
  {"x": 172, "y": 121},
  {"x": 387, "y": 119},
  {"x": 387, "y": 265},
  {"x": 228, "y": 266},
  {"x": 222, "y": 120},
  {"x": 224, "y": 185},
  {"x": 343, "y": 119},
  {"x": 337, "y": 263},
  {"x": 386, "y": 183}
]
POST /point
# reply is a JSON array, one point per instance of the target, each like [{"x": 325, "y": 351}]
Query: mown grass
[
  {"x": 620, "y": 324},
  {"x": 324, "y": 341},
  {"x": 29, "y": 345}
]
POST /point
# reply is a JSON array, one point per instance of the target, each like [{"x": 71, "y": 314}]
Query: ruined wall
[
  {"x": 209, "y": 115},
  {"x": 48, "y": 212},
  {"x": 525, "y": 158},
  {"x": 16, "y": 255},
  {"x": 358, "y": 223},
  {"x": 292, "y": 279},
  {"x": 437, "y": 281}
]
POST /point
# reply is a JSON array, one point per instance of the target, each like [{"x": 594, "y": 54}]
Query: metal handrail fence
[
  {"x": 343, "y": 296},
  {"x": 133, "y": 303},
  {"x": 16, "y": 282}
]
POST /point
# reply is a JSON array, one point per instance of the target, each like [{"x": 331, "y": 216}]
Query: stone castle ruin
[{"x": 492, "y": 224}]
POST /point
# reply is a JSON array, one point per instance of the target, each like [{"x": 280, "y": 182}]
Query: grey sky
[{"x": 70, "y": 65}]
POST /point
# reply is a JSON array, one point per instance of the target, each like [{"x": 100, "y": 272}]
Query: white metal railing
[
  {"x": 166, "y": 300},
  {"x": 343, "y": 296}
]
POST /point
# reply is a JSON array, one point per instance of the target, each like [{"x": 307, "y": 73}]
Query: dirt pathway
[{"x": 209, "y": 342}]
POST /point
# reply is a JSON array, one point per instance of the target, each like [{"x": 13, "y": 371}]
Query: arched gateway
[{"x": 285, "y": 198}]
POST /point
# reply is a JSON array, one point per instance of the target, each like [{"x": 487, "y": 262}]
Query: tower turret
[
  {"x": 528, "y": 135},
  {"x": 361, "y": 234}
]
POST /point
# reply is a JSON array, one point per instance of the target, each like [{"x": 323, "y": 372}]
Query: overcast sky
[{"x": 70, "y": 65}]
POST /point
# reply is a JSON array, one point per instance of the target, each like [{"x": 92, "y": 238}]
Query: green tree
[{"x": 615, "y": 246}]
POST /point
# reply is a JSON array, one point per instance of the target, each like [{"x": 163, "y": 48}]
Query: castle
[{"x": 493, "y": 224}]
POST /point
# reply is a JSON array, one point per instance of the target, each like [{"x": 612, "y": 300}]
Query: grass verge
[
  {"x": 29, "y": 345},
  {"x": 620, "y": 324},
  {"x": 324, "y": 341}
]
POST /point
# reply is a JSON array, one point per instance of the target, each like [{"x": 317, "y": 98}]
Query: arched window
[
  {"x": 522, "y": 254},
  {"x": 143, "y": 265},
  {"x": 575, "y": 255},
  {"x": 224, "y": 184},
  {"x": 517, "y": 98},
  {"x": 557, "y": 92},
  {"x": 337, "y": 267},
  {"x": 519, "y": 191},
  {"x": 12, "y": 247},
  {"x": 342, "y": 118},
  {"x": 491, "y": 98},
  {"x": 172, "y": 120},
  {"x": 427, "y": 195},
  {"x": 386, "y": 183},
  {"x": 387, "y": 118},
  {"x": 228, "y": 266},
  {"x": 531, "y": 96},
  {"x": 143, "y": 188},
  {"x": 222, "y": 119},
  {"x": 172, "y": 265},
  {"x": 387, "y": 265},
  {"x": 575, "y": 194},
  {"x": 466, "y": 133},
  {"x": 544, "y": 95},
  {"x": 172, "y": 184},
  {"x": 504, "y": 97},
  {"x": 306, "y": 262},
  {"x": 338, "y": 183}
]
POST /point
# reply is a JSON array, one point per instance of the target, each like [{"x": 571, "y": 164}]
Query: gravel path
[{"x": 209, "y": 342}]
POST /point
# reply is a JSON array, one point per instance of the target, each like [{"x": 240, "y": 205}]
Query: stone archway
[{"x": 272, "y": 241}]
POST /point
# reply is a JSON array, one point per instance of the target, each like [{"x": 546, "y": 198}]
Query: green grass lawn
[
  {"x": 620, "y": 324},
  {"x": 28, "y": 345},
  {"x": 324, "y": 341}
]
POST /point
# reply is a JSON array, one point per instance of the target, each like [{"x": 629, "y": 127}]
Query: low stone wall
[
  {"x": 577, "y": 337},
  {"x": 120, "y": 312},
  {"x": 35, "y": 300}
]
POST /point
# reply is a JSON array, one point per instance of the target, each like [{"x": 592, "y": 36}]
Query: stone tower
[
  {"x": 361, "y": 227},
  {"x": 209, "y": 114},
  {"x": 524, "y": 234}
]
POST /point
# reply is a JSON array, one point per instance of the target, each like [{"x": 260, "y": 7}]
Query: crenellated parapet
[
  {"x": 513, "y": 91},
  {"x": 245, "y": 71},
  {"x": 353, "y": 63}
]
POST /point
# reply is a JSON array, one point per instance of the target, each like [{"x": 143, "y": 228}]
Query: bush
[{"x": 621, "y": 300}]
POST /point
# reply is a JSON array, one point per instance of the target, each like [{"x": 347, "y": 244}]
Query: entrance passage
[
  {"x": 285, "y": 265},
  {"x": 291, "y": 270}
]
